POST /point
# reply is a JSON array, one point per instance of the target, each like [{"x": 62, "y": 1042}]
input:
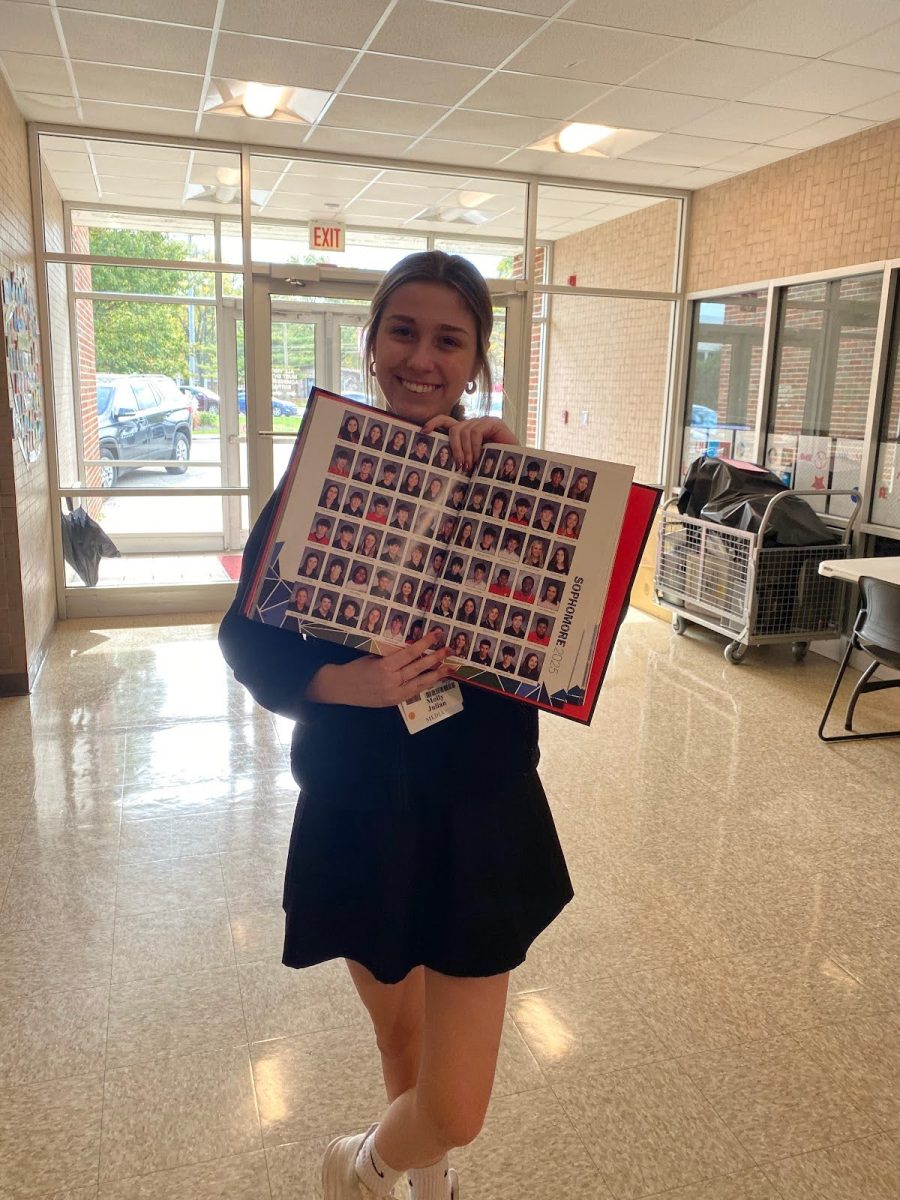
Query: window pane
[
  {"x": 886, "y": 501},
  {"x": 609, "y": 239},
  {"x": 723, "y": 377},
  {"x": 823, "y": 371}
]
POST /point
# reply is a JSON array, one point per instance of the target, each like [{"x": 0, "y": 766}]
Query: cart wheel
[
  {"x": 799, "y": 650},
  {"x": 735, "y": 651},
  {"x": 679, "y": 624}
]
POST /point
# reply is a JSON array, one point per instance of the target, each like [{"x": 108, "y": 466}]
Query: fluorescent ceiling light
[
  {"x": 577, "y": 137},
  {"x": 263, "y": 101},
  {"x": 260, "y": 100},
  {"x": 615, "y": 142}
]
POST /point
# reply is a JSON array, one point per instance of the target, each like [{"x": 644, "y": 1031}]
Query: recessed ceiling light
[
  {"x": 473, "y": 199},
  {"x": 577, "y": 137},
  {"x": 260, "y": 100},
  {"x": 264, "y": 101}
]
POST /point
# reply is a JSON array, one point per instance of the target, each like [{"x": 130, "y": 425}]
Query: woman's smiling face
[{"x": 425, "y": 350}]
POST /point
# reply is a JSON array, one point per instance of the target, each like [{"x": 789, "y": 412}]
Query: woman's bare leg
[{"x": 398, "y": 1015}]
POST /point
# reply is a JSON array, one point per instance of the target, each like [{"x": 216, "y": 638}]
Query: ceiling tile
[
  {"x": 827, "y": 87},
  {"x": 807, "y": 27},
  {"x": 143, "y": 151},
  {"x": 35, "y": 106},
  {"x": 395, "y": 78},
  {"x": 533, "y": 95},
  {"x": 748, "y": 122},
  {"x": 700, "y": 177},
  {"x": 655, "y": 16},
  {"x": 320, "y": 21},
  {"x": 178, "y": 12},
  {"x": 686, "y": 151},
  {"x": 591, "y": 53},
  {"x": 372, "y": 208},
  {"x": 382, "y": 116},
  {"x": 462, "y": 154},
  {"x": 829, "y": 130},
  {"x": 635, "y": 108},
  {"x": 239, "y": 56},
  {"x": 131, "y": 85},
  {"x": 134, "y": 117},
  {"x": 880, "y": 49},
  {"x": 246, "y": 129},
  {"x": 97, "y": 37},
  {"x": 27, "y": 28},
  {"x": 450, "y": 33},
  {"x": 38, "y": 73},
  {"x": 885, "y": 109},
  {"x": 749, "y": 160},
  {"x": 355, "y": 141},
  {"x": 726, "y": 72},
  {"x": 111, "y": 166},
  {"x": 495, "y": 129},
  {"x": 537, "y": 8}
]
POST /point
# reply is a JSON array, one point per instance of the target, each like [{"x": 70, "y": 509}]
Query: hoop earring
[
  {"x": 372, "y": 367},
  {"x": 471, "y": 387}
]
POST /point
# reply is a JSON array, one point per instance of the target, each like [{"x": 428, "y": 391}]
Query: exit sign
[{"x": 327, "y": 235}]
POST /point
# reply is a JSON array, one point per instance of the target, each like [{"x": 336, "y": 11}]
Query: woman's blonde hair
[{"x": 434, "y": 266}]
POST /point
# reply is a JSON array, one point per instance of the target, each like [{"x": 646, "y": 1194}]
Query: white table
[{"x": 850, "y": 569}]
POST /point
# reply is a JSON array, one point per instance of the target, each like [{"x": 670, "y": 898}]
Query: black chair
[{"x": 877, "y": 633}]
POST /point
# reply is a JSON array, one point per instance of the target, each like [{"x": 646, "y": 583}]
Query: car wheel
[
  {"x": 109, "y": 474},
  {"x": 181, "y": 452},
  {"x": 277, "y": 410}
]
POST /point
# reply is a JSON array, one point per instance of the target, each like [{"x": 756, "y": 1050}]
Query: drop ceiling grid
[{"x": 771, "y": 81}]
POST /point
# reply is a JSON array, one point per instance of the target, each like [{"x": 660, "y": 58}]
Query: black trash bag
[
  {"x": 84, "y": 544},
  {"x": 737, "y": 494}
]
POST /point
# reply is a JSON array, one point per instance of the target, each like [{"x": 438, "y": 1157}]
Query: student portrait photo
[
  {"x": 311, "y": 565},
  {"x": 477, "y": 499},
  {"x": 369, "y": 542},
  {"x": 515, "y": 626},
  {"x": 521, "y": 511},
  {"x": 465, "y": 536},
  {"x": 301, "y": 600},
  {"x": 500, "y": 584},
  {"x": 425, "y": 599},
  {"x": 360, "y": 574},
  {"x": 551, "y": 594},
  {"x": 398, "y": 443},
  {"x": 335, "y": 572},
  {"x": 348, "y": 612},
  {"x": 488, "y": 536},
  {"x": 438, "y": 558},
  {"x": 498, "y": 504},
  {"x": 420, "y": 451},
  {"x": 468, "y": 610},
  {"x": 378, "y": 510},
  {"x": 396, "y": 625},
  {"x": 340, "y": 463},
  {"x": 373, "y": 619},
  {"x": 506, "y": 658},
  {"x": 416, "y": 630},
  {"x": 439, "y": 632},
  {"x": 512, "y": 546},
  {"x": 531, "y": 665},
  {"x": 493, "y": 616},
  {"x": 321, "y": 529},
  {"x": 383, "y": 587},
  {"x": 417, "y": 557},
  {"x": 350, "y": 429},
  {"x": 478, "y": 574},
  {"x": 442, "y": 458},
  {"x": 536, "y": 552},
  {"x": 356, "y": 503},
  {"x": 525, "y": 590},
  {"x": 344, "y": 536},
  {"x": 446, "y": 530},
  {"x": 483, "y": 652},
  {"x": 459, "y": 643},
  {"x": 582, "y": 484},
  {"x": 509, "y": 468},
  {"x": 539, "y": 633},
  {"x": 406, "y": 591},
  {"x": 325, "y": 605},
  {"x": 560, "y": 560},
  {"x": 556, "y": 480},
  {"x": 374, "y": 435},
  {"x": 456, "y": 569},
  {"x": 446, "y": 602},
  {"x": 389, "y": 475},
  {"x": 412, "y": 482},
  {"x": 365, "y": 469},
  {"x": 488, "y": 463},
  {"x": 393, "y": 550},
  {"x": 457, "y": 497},
  {"x": 545, "y": 516},
  {"x": 570, "y": 524},
  {"x": 435, "y": 487},
  {"x": 402, "y": 516},
  {"x": 531, "y": 474},
  {"x": 331, "y": 496},
  {"x": 426, "y": 519}
]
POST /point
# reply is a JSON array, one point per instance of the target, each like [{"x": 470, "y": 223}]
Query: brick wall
[
  {"x": 608, "y": 358},
  {"x": 835, "y": 206},
  {"x": 27, "y": 593}
]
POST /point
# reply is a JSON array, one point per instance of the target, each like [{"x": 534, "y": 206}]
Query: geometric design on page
[
  {"x": 573, "y": 695},
  {"x": 274, "y": 594}
]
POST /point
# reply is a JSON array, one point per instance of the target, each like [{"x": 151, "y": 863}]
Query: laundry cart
[{"x": 728, "y": 580}]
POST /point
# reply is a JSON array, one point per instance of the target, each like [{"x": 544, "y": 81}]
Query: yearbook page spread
[{"x": 523, "y": 566}]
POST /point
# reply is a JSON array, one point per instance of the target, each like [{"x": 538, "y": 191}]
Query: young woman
[
  {"x": 375, "y": 436},
  {"x": 468, "y": 611},
  {"x": 531, "y": 667},
  {"x": 466, "y": 536},
  {"x": 508, "y": 469},
  {"x": 373, "y": 620},
  {"x": 368, "y": 546},
  {"x": 581, "y": 487},
  {"x": 429, "y": 947},
  {"x": 350, "y": 429},
  {"x": 412, "y": 484},
  {"x": 330, "y": 497},
  {"x": 405, "y": 592},
  {"x": 570, "y": 526},
  {"x": 442, "y": 458},
  {"x": 312, "y": 564},
  {"x": 560, "y": 561},
  {"x": 397, "y": 444}
]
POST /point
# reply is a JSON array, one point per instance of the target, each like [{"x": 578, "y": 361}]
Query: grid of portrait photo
[{"x": 401, "y": 544}]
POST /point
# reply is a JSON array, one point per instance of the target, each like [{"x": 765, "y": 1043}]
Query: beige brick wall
[
  {"x": 608, "y": 358},
  {"x": 832, "y": 207},
  {"x": 27, "y": 594}
]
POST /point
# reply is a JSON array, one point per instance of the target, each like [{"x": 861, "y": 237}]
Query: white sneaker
[
  {"x": 339, "y": 1178},
  {"x": 454, "y": 1184}
]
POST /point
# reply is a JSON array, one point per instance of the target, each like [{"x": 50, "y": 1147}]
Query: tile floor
[{"x": 715, "y": 1017}]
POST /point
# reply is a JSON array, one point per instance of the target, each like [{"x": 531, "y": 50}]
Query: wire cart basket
[{"x": 728, "y": 581}]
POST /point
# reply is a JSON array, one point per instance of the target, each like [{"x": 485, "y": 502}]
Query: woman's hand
[
  {"x": 381, "y": 681},
  {"x": 468, "y": 437}
]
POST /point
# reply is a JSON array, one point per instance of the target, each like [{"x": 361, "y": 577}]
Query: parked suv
[{"x": 145, "y": 417}]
